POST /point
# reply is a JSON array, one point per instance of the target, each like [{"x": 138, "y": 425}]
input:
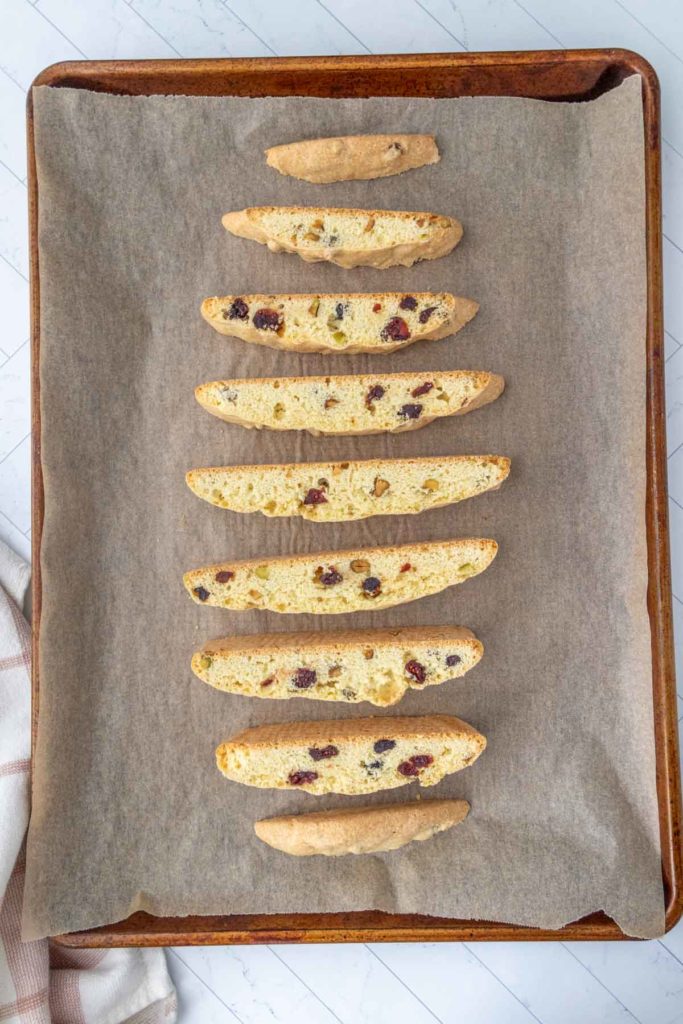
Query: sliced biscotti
[
  {"x": 375, "y": 829},
  {"x": 356, "y": 755},
  {"x": 352, "y": 157},
  {"x": 354, "y": 404},
  {"x": 348, "y": 237},
  {"x": 377, "y": 665},
  {"x": 332, "y": 582},
  {"x": 332, "y": 492},
  {"x": 381, "y": 322}
]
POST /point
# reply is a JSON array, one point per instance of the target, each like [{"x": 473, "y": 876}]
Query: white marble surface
[{"x": 511, "y": 983}]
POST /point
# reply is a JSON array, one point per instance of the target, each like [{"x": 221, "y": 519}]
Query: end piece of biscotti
[
  {"x": 344, "y": 323},
  {"x": 333, "y": 582},
  {"x": 376, "y": 665},
  {"x": 375, "y": 829},
  {"x": 354, "y": 404},
  {"x": 348, "y": 237},
  {"x": 350, "y": 755},
  {"x": 352, "y": 157},
  {"x": 332, "y": 492}
]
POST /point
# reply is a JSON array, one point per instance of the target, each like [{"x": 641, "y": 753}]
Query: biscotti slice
[
  {"x": 352, "y": 157},
  {"x": 350, "y": 755},
  {"x": 354, "y": 404},
  {"x": 348, "y": 237},
  {"x": 377, "y": 665},
  {"x": 332, "y": 492},
  {"x": 332, "y": 582},
  {"x": 344, "y": 323},
  {"x": 375, "y": 829}
]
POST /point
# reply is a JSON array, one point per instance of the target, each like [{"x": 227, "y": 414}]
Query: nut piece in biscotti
[
  {"x": 344, "y": 323},
  {"x": 352, "y": 157},
  {"x": 355, "y": 404},
  {"x": 375, "y": 829},
  {"x": 350, "y": 755},
  {"x": 333, "y": 492},
  {"x": 332, "y": 582},
  {"x": 376, "y": 665},
  {"x": 348, "y": 237}
]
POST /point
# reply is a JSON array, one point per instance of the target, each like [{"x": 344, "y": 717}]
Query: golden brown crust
[
  {"x": 352, "y": 157},
  {"x": 320, "y": 733},
  {"x": 331, "y": 639}
]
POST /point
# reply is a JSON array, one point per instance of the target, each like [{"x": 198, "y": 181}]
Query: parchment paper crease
[{"x": 129, "y": 811}]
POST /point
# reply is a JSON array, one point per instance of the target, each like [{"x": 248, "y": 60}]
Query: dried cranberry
[
  {"x": 224, "y": 576},
  {"x": 414, "y": 765},
  {"x": 332, "y": 576},
  {"x": 268, "y": 682},
  {"x": 376, "y": 307},
  {"x": 382, "y": 745},
  {"x": 315, "y": 496},
  {"x": 239, "y": 310},
  {"x": 301, "y": 778},
  {"x": 408, "y": 302},
  {"x": 423, "y": 389},
  {"x": 376, "y": 392},
  {"x": 267, "y": 319},
  {"x": 201, "y": 593},
  {"x": 410, "y": 412},
  {"x": 453, "y": 659},
  {"x": 406, "y": 567},
  {"x": 304, "y": 678},
  {"x": 395, "y": 329},
  {"x": 425, "y": 314},
  {"x": 339, "y": 311},
  {"x": 417, "y": 671},
  {"x": 372, "y": 586},
  {"x": 321, "y": 753}
]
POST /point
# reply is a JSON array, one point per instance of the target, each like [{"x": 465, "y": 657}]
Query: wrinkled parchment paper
[{"x": 129, "y": 810}]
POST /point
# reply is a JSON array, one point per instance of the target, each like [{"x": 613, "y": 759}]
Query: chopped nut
[
  {"x": 370, "y": 225},
  {"x": 335, "y": 672},
  {"x": 314, "y": 307},
  {"x": 430, "y": 485},
  {"x": 331, "y": 402},
  {"x": 360, "y": 565},
  {"x": 205, "y": 661},
  {"x": 369, "y": 653},
  {"x": 262, "y": 571},
  {"x": 318, "y": 224},
  {"x": 311, "y": 236},
  {"x": 256, "y": 594},
  {"x": 339, "y": 337},
  {"x": 278, "y": 411},
  {"x": 322, "y": 482},
  {"x": 381, "y": 486}
]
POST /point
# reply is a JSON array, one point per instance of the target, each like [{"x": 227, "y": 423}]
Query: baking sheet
[{"x": 129, "y": 812}]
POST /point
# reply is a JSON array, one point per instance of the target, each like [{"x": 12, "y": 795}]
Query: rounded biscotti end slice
[
  {"x": 353, "y": 404},
  {"x": 352, "y": 157},
  {"x": 375, "y": 665},
  {"x": 341, "y": 491},
  {"x": 339, "y": 323},
  {"x": 350, "y": 756},
  {"x": 376, "y": 829},
  {"x": 348, "y": 237},
  {"x": 334, "y": 582}
]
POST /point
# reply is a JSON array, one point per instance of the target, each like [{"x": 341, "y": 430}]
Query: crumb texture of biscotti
[
  {"x": 348, "y": 237},
  {"x": 376, "y": 829},
  {"x": 352, "y": 157},
  {"x": 333, "y": 582},
  {"x": 338, "y": 491},
  {"x": 375, "y": 665},
  {"x": 353, "y": 404},
  {"x": 350, "y": 756},
  {"x": 340, "y": 323}
]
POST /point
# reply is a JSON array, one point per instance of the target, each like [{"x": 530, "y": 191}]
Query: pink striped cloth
[{"x": 41, "y": 982}]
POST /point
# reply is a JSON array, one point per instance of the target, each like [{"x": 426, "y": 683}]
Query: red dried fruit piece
[
  {"x": 239, "y": 310},
  {"x": 201, "y": 592},
  {"x": 374, "y": 394},
  {"x": 425, "y": 314},
  {"x": 376, "y": 308},
  {"x": 381, "y": 746},
  {"x": 224, "y": 576},
  {"x": 423, "y": 389},
  {"x": 321, "y": 753},
  {"x": 372, "y": 586},
  {"x": 453, "y": 659},
  {"x": 410, "y": 412},
  {"x": 267, "y": 319},
  {"x": 268, "y": 682},
  {"x": 417, "y": 671},
  {"x": 414, "y": 765},
  {"x": 301, "y": 778},
  {"x": 395, "y": 329},
  {"x": 408, "y": 302},
  {"x": 315, "y": 496},
  {"x": 304, "y": 678},
  {"x": 406, "y": 567}
]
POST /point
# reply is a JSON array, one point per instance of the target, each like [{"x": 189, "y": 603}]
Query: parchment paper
[{"x": 129, "y": 810}]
